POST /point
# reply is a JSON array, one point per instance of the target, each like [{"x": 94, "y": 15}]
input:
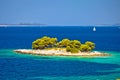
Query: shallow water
[{"x": 14, "y": 66}]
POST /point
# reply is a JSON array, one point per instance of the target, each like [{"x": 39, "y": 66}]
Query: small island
[{"x": 48, "y": 46}]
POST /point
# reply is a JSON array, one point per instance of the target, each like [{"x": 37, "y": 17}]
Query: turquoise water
[{"x": 14, "y": 66}]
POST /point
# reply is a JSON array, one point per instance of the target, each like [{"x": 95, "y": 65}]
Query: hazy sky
[{"x": 60, "y": 12}]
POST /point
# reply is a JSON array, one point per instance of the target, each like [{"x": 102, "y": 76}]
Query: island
[
  {"x": 22, "y": 24},
  {"x": 48, "y": 46}
]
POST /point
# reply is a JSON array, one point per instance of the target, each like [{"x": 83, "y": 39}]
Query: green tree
[
  {"x": 52, "y": 41},
  {"x": 44, "y": 42},
  {"x": 74, "y": 43},
  {"x": 84, "y": 48},
  {"x": 90, "y": 44},
  {"x": 74, "y": 50},
  {"x": 68, "y": 49},
  {"x": 38, "y": 44},
  {"x": 64, "y": 43},
  {"x": 73, "y": 46}
]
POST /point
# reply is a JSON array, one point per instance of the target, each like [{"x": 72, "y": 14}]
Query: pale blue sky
[{"x": 60, "y": 12}]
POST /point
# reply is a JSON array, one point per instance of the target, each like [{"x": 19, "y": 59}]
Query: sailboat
[{"x": 94, "y": 29}]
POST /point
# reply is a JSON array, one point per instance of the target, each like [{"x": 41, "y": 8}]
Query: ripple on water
[{"x": 30, "y": 67}]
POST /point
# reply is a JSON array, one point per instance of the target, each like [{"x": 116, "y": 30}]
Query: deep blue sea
[{"x": 15, "y": 66}]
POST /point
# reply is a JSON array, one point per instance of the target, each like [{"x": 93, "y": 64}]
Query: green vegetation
[
  {"x": 73, "y": 46},
  {"x": 44, "y": 42},
  {"x": 84, "y": 47},
  {"x": 63, "y": 43}
]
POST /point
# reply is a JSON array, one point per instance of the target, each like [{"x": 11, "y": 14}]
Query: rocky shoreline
[{"x": 53, "y": 52}]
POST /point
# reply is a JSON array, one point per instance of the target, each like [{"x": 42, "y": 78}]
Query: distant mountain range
[
  {"x": 21, "y": 24},
  {"x": 38, "y": 24}
]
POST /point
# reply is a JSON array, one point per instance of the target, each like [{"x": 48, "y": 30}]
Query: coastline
[{"x": 61, "y": 52}]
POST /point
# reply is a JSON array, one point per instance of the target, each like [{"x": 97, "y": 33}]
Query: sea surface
[{"x": 14, "y": 66}]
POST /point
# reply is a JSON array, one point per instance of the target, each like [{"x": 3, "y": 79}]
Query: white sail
[{"x": 94, "y": 29}]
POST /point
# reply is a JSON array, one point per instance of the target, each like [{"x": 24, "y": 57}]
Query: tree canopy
[
  {"x": 63, "y": 43},
  {"x": 44, "y": 42},
  {"x": 73, "y": 46}
]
